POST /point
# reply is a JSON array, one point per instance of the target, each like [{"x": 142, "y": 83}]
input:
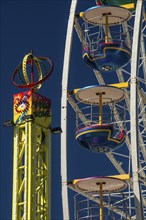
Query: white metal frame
[
  {"x": 64, "y": 110},
  {"x": 134, "y": 112}
]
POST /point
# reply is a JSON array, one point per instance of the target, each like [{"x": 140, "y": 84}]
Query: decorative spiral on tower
[{"x": 24, "y": 75}]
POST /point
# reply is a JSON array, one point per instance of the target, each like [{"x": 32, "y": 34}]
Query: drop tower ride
[{"x": 32, "y": 141}]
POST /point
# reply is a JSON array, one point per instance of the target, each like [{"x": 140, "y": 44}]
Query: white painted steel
[
  {"x": 134, "y": 111},
  {"x": 64, "y": 110},
  {"x": 96, "y": 200}
]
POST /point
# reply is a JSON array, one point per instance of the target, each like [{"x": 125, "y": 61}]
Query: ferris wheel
[{"x": 110, "y": 117}]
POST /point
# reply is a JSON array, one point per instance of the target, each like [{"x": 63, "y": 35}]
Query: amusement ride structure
[
  {"x": 110, "y": 118},
  {"x": 32, "y": 141}
]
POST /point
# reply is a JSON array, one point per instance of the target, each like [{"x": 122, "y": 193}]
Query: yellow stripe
[
  {"x": 25, "y": 74},
  {"x": 128, "y": 6},
  {"x": 81, "y": 14},
  {"x": 85, "y": 132},
  {"x": 24, "y": 67},
  {"x": 75, "y": 181},
  {"x": 75, "y": 91},
  {"x": 100, "y": 130},
  {"x": 121, "y": 176},
  {"x": 120, "y": 85},
  {"x": 104, "y": 54}
]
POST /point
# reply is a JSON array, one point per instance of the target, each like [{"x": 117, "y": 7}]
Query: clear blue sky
[{"x": 40, "y": 25}]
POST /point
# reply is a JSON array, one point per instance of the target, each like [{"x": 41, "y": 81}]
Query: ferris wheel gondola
[
  {"x": 100, "y": 132},
  {"x": 101, "y": 51}
]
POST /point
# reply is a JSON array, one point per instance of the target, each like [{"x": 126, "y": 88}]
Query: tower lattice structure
[{"x": 32, "y": 144}]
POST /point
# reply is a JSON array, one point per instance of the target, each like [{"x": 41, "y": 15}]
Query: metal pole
[
  {"x": 100, "y": 109},
  {"x": 64, "y": 110},
  {"x": 106, "y": 28},
  {"x": 101, "y": 202}
]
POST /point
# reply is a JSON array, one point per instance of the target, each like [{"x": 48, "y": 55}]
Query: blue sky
[{"x": 41, "y": 25}]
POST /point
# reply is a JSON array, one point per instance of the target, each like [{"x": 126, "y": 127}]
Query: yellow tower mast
[{"x": 32, "y": 143}]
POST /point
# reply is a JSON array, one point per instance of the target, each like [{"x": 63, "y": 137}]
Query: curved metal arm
[{"x": 64, "y": 111}]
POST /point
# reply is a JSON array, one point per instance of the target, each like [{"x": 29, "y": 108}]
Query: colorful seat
[
  {"x": 99, "y": 138},
  {"x": 109, "y": 57}
]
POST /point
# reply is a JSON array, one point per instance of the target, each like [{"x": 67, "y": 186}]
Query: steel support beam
[
  {"x": 64, "y": 110},
  {"x": 134, "y": 110}
]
